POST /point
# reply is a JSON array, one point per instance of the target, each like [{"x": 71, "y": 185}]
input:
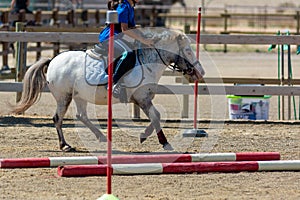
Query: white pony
[{"x": 64, "y": 76}]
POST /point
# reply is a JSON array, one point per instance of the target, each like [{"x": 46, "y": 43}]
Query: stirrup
[
  {"x": 119, "y": 92},
  {"x": 116, "y": 90}
]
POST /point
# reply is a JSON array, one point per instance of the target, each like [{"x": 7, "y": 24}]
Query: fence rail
[
  {"x": 67, "y": 37},
  {"x": 203, "y": 89}
]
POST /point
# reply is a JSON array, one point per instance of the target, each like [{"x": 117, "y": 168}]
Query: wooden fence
[
  {"x": 55, "y": 18},
  {"x": 92, "y": 20},
  {"x": 151, "y": 16},
  {"x": 207, "y": 89}
]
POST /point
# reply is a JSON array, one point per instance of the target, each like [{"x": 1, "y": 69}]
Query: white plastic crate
[{"x": 249, "y": 107}]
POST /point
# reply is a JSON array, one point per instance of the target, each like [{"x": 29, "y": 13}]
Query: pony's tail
[{"x": 33, "y": 83}]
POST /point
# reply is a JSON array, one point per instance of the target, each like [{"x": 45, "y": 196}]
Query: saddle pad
[
  {"x": 95, "y": 74},
  {"x": 95, "y": 71}
]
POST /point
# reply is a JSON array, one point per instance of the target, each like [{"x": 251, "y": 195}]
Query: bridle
[{"x": 174, "y": 66}]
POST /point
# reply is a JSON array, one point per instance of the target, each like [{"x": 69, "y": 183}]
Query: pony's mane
[{"x": 161, "y": 35}]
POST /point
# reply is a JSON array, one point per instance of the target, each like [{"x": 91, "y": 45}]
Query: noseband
[{"x": 175, "y": 67}]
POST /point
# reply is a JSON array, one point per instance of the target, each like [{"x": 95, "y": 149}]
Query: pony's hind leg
[
  {"x": 82, "y": 116},
  {"x": 61, "y": 109}
]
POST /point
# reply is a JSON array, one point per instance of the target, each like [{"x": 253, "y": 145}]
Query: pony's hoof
[
  {"x": 142, "y": 140},
  {"x": 68, "y": 148},
  {"x": 143, "y": 137},
  {"x": 168, "y": 147}
]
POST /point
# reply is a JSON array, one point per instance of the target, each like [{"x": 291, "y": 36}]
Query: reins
[{"x": 174, "y": 67}]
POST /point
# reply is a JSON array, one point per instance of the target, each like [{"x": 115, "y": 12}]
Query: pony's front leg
[
  {"x": 148, "y": 131},
  {"x": 154, "y": 116}
]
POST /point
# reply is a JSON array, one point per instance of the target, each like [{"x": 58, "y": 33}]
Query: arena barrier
[
  {"x": 178, "y": 168},
  {"x": 133, "y": 159}
]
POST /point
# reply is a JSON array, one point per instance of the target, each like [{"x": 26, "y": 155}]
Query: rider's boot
[{"x": 99, "y": 49}]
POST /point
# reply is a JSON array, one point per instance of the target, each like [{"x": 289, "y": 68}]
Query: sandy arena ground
[{"x": 33, "y": 135}]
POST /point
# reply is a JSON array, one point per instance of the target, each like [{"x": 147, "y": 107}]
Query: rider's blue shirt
[{"x": 126, "y": 15}]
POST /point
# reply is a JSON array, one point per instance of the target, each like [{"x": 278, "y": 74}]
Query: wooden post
[
  {"x": 20, "y": 58},
  {"x": 38, "y": 17},
  {"x": 70, "y": 18},
  {"x": 226, "y": 16},
  {"x": 38, "y": 50},
  {"x": 153, "y": 17},
  {"x": 136, "y": 112},
  {"x": 55, "y": 17},
  {"x": 282, "y": 82},
  {"x": 85, "y": 18},
  {"x": 38, "y": 22},
  {"x": 5, "y": 50},
  {"x": 97, "y": 17},
  {"x": 4, "y": 18},
  {"x": 55, "y": 49},
  {"x": 289, "y": 76},
  {"x": 56, "y": 22},
  {"x": 5, "y": 45},
  {"x": 298, "y": 23},
  {"x": 143, "y": 17}
]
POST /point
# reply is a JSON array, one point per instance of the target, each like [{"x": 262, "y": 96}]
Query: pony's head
[
  {"x": 179, "y": 45},
  {"x": 186, "y": 60}
]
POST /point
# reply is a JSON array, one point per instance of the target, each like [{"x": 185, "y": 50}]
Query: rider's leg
[{"x": 124, "y": 64}]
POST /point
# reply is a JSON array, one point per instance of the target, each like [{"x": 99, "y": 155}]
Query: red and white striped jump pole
[
  {"x": 197, "y": 56},
  {"x": 133, "y": 159},
  {"x": 195, "y": 132},
  {"x": 111, "y": 19},
  {"x": 179, "y": 168}
]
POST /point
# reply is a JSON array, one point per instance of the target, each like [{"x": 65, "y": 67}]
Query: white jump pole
[{"x": 111, "y": 19}]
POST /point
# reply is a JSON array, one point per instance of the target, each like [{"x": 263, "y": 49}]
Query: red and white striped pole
[
  {"x": 6, "y": 163},
  {"x": 196, "y": 82},
  {"x": 111, "y": 19},
  {"x": 195, "y": 132},
  {"x": 109, "y": 108},
  {"x": 180, "y": 168}
]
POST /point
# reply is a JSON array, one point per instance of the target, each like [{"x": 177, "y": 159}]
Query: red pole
[
  {"x": 109, "y": 103},
  {"x": 197, "y": 56}
]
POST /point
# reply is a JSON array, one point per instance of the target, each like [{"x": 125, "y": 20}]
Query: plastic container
[{"x": 249, "y": 107}]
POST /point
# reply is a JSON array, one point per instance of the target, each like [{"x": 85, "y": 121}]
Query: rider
[{"x": 125, "y": 9}]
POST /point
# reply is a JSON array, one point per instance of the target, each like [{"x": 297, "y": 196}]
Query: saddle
[{"x": 96, "y": 74}]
